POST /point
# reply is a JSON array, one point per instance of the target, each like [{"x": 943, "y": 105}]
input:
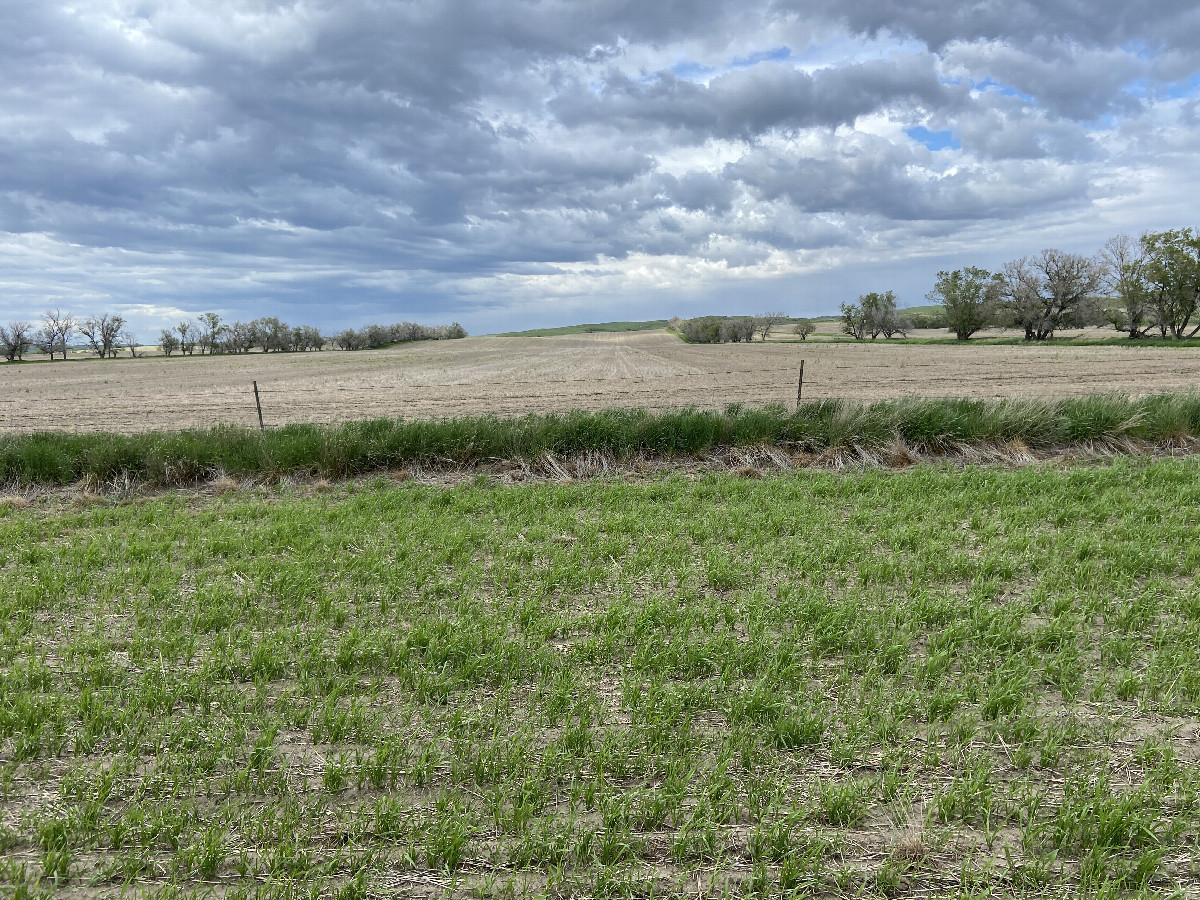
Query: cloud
[
  {"x": 1169, "y": 24},
  {"x": 397, "y": 157},
  {"x": 744, "y": 103}
]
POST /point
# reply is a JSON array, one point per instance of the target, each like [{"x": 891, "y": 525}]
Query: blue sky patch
[
  {"x": 934, "y": 140},
  {"x": 778, "y": 54},
  {"x": 693, "y": 71},
  {"x": 1180, "y": 89},
  {"x": 1004, "y": 90}
]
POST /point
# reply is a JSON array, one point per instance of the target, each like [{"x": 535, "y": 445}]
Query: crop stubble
[{"x": 514, "y": 376}]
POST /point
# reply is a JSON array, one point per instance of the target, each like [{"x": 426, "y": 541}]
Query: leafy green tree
[
  {"x": 969, "y": 297},
  {"x": 210, "y": 332},
  {"x": 873, "y": 314},
  {"x": 804, "y": 328},
  {"x": 349, "y": 339},
  {"x": 187, "y": 337},
  {"x": 1173, "y": 276},
  {"x": 737, "y": 329},
  {"x": 854, "y": 321},
  {"x": 272, "y": 334},
  {"x": 239, "y": 337},
  {"x": 701, "y": 330}
]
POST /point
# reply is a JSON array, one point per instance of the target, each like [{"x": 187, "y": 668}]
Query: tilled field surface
[{"x": 514, "y": 376}]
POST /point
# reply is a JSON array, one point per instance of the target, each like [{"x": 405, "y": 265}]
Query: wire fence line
[{"x": 280, "y": 406}]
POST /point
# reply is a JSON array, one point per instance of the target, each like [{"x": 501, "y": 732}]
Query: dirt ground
[{"x": 513, "y": 376}]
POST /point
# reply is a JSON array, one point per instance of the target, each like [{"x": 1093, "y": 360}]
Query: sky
[{"x": 512, "y": 164}]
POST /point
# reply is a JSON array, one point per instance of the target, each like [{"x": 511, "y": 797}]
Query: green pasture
[
  {"x": 593, "y": 328},
  {"x": 958, "y": 682}
]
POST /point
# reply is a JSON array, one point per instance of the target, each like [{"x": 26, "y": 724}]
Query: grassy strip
[{"x": 372, "y": 445}]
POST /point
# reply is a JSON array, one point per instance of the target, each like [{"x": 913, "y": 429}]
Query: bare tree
[
  {"x": 127, "y": 338},
  {"x": 45, "y": 339},
  {"x": 1126, "y": 262},
  {"x": 57, "y": 328},
  {"x": 102, "y": 333},
  {"x": 765, "y": 322},
  {"x": 15, "y": 340},
  {"x": 1051, "y": 291}
]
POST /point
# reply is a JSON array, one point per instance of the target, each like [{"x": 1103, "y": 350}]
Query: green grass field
[
  {"x": 593, "y": 328},
  {"x": 942, "y": 681}
]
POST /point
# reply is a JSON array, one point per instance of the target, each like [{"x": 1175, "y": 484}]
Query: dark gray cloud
[
  {"x": 1172, "y": 24},
  {"x": 418, "y": 155},
  {"x": 745, "y": 104}
]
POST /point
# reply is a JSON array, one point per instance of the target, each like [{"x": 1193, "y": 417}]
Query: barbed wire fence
[{"x": 269, "y": 407}]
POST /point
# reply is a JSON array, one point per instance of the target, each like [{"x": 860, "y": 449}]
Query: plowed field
[{"x": 513, "y": 376}]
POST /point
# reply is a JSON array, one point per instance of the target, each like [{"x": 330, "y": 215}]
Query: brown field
[{"x": 513, "y": 376}]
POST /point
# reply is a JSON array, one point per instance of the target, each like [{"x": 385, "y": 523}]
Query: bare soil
[{"x": 514, "y": 376}]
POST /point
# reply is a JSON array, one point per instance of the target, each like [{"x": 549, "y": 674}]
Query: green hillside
[{"x": 591, "y": 328}]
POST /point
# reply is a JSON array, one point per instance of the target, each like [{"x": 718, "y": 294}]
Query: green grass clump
[
  {"x": 168, "y": 458},
  {"x": 937, "y": 681}
]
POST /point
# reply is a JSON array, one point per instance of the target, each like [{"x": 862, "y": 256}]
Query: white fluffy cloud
[{"x": 534, "y": 161}]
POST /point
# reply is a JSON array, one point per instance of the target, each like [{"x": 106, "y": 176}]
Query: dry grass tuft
[
  {"x": 910, "y": 846},
  {"x": 550, "y": 465},
  {"x": 899, "y": 455},
  {"x": 88, "y": 484},
  {"x": 224, "y": 485},
  {"x": 15, "y": 501}
]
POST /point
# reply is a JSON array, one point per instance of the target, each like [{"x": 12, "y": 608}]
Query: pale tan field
[{"x": 514, "y": 376}]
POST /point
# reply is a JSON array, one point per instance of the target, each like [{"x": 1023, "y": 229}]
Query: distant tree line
[
  {"x": 726, "y": 329},
  {"x": 209, "y": 335},
  {"x": 1138, "y": 286},
  {"x": 380, "y": 335},
  {"x": 106, "y": 336}
]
